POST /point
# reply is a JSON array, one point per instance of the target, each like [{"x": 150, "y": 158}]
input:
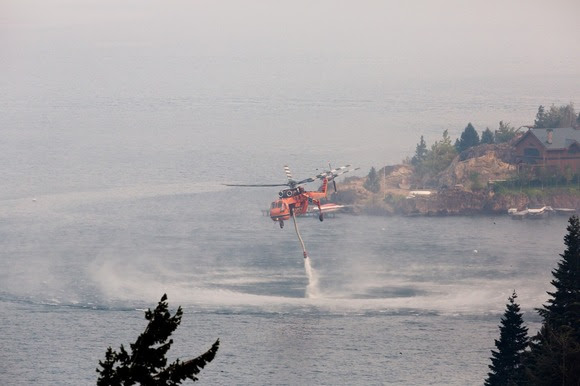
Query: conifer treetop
[{"x": 147, "y": 364}]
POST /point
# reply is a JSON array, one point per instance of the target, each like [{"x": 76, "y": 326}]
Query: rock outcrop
[
  {"x": 466, "y": 187},
  {"x": 478, "y": 165}
]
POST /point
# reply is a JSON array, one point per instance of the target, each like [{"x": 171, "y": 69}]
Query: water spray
[{"x": 312, "y": 290}]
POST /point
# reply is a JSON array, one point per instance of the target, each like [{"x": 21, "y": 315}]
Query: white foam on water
[{"x": 121, "y": 279}]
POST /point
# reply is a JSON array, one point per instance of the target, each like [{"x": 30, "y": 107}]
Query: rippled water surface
[
  {"x": 397, "y": 300},
  {"x": 117, "y": 134}
]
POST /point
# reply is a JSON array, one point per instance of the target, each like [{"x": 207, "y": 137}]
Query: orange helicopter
[{"x": 294, "y": 201}]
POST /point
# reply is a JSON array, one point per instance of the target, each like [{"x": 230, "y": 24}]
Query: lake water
[
  {"x": 396, "y": 300},
  {"x": 114, "y": 150}
]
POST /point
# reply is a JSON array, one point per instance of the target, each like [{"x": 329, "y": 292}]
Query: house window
[{"x": 531, "y": 154}]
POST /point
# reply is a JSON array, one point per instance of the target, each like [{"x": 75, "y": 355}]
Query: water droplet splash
[{"x": 312, "y": 290}]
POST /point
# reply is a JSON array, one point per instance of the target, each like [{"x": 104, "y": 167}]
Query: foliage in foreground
[
  {"x": 147, "y": 364},
  {"x": 555, "y": 351},
  {"x": 552, "y": 356},
  {"x": 507, "y": 362}
]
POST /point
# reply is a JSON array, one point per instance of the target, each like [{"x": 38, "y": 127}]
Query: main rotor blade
[
  {"x": 330, "y": 175},
  {"x": 291, "y": 182},
  {"x": 255, "y": 185},
  {"x": 288, "y": 173},
  {"x": 305, "y": 181},
  {"x": 344, "y": 169},
  {"x": 340, "y": 170}
]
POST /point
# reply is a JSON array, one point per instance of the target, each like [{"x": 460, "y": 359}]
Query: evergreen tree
[
  {"x": 487, "y": 136},
  {"x": 563, "y": 308},
  {"x": 469, "y": 138},
  {"x": 541, "y": 118},
  {"x": 505, "y": 132},
  {"x": 563, "y": 116},
  {"x": 439, "y": 157},
  {"x": 554, "y": 358},
  {"x": 372, "y": 182},
  {"x": 555, "y": 350},
  {"x": 507, "y": 362},
  {"x": 567, "y": 115},
  {"x": 146, "y": 364},
  {"x": 420, "y": 152}
]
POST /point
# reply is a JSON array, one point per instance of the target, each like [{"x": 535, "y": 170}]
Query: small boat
[
  {"x": 539, "y": 213},
  {"x": 565, "y": 211},
  {"x": 534, "y": 213},
  {"x": 518, "y": 214}
]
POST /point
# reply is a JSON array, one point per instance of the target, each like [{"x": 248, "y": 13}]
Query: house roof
[{"x": 562, "y": 137}]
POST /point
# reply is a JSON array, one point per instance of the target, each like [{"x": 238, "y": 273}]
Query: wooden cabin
[{"x": 557, "y": 148}]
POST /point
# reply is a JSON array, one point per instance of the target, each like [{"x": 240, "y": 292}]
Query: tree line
[
  {"x": 430, "y": 161},
  {"x": 552, "y": 356},
  {"x": 442, "y": 152}
]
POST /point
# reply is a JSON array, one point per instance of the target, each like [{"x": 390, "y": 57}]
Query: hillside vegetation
[{"x": 472, "y": 176}]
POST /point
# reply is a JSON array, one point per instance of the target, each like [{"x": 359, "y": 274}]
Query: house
[{"x": 552, "y": 148}]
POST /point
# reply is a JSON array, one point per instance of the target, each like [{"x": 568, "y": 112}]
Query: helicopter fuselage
[{"x": 295, "y": 200}]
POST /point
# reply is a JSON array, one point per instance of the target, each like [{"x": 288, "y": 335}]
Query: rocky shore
[{"x": 466, "y": 187}]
